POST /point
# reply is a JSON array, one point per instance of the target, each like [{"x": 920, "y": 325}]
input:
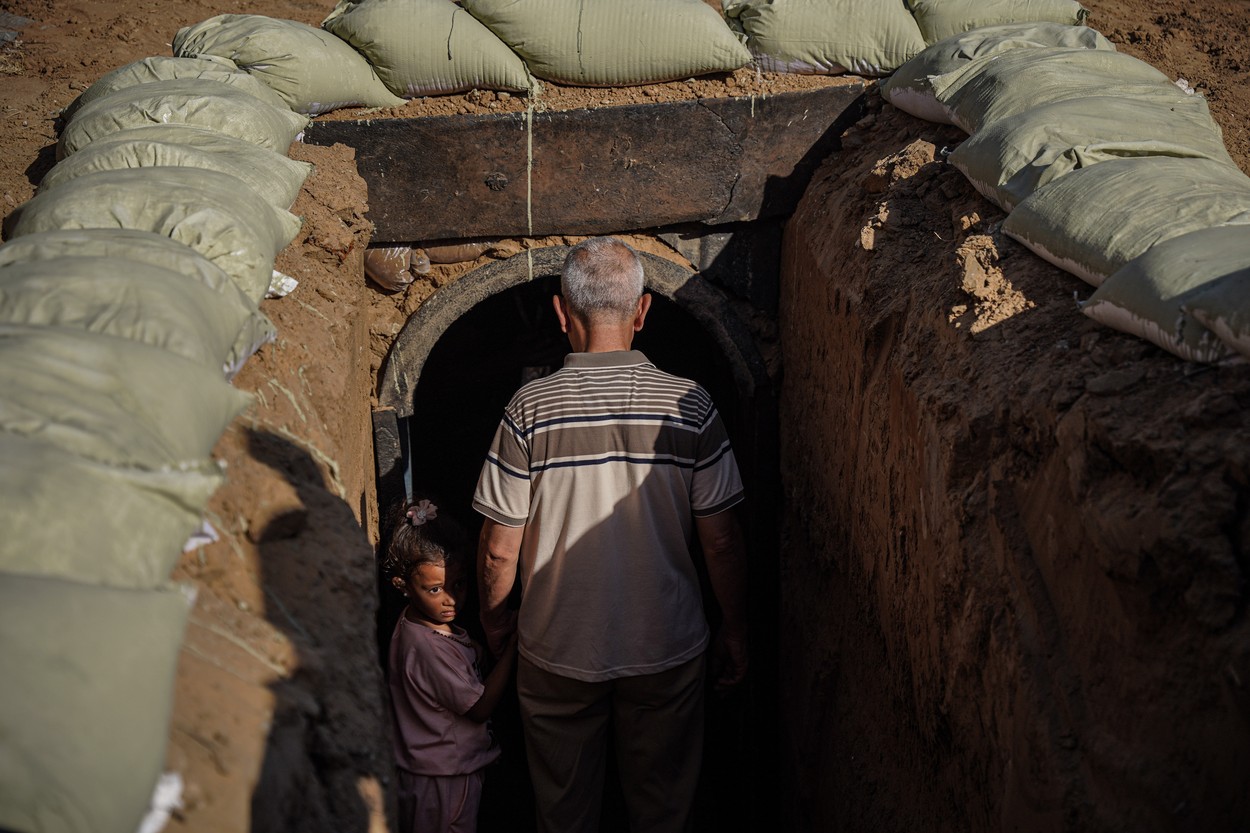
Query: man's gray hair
[{"x": 602, "y": 277}]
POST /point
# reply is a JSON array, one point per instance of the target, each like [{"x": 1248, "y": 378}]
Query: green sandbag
[
  {"x": 112, "y": 400},
  {"x": 1223, "y": 307},
  {"x": 1012, "y": 82},
  {"x": 146, "y": 247},
  {"x": 162, "y": 68},
  {"x": 1093, "y": 221},
  {"x": 613, "y": 44},
  {"x": 209, "y": 211},
  {"x": 864, "y": 37},
  {"x": 1011, "y": 158},
  {"x": 311, "y": 69},
  {"x": 70, "y": 517},
  {"x": 136, "y": 301},
  {"x": 427, "y": 47},
  {"x": 270, "y": 174},
  {"x": 1158, "y": 295},
  {"x": 939, "y": 19},
  {"x": 194, "y": 101},
  {"x": 910, "y": 88},
  {"x": 86, "y": 700}
]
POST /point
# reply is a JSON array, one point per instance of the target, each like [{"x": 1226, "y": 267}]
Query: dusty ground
[{"x": 275, "y": 684}]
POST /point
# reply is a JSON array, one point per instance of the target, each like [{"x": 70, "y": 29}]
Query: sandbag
[
  {"x": 147, "y": 247},
  {"x": 311, "y": 69},
  {"x": 939, "y": 19},
  {"x": 910, "y": 88},
  {"x": 613, "y": 44},
  {"x": 864, "y": 37},
  {"x": 1223, "y": 306},
  {"x": 427, "y": 47},
  {"x": 1093, "y": 221},
  {"x": 270, "y": 174},
  {"x": 390, "y": 267},
  {"x": 112, "y": 400},
  {"x": 1155, "y": 295},
  {"x": 1013, "y": 157},
  {"x": 86, "y": 699},
  {"x": 193, "y": 101},
  {"x": 205, "y": 210},
  {"x": 123, "y": 298},
  {"x": 69, "y": 517},
  {"x": 1009, "y": 83},
  {"x": 162, "y": 68}
]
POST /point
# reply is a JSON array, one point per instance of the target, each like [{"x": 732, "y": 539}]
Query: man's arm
[
  {"x": 498, "y": 550},
  {"x": 724, "y": 550}
]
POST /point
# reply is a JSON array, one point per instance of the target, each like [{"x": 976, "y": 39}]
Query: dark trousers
[{"x": 658, "y": 724}]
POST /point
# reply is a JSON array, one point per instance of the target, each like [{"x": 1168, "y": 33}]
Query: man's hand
[
  {"x": 724, "y": 551},
  {"x": 729, "y": 662}
]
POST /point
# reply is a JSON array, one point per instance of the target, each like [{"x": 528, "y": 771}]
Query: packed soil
[
  {"x": 1022, "y": 540},
  {"x": 279, "y": 719}
]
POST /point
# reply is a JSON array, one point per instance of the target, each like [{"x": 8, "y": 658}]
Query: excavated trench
[{"x": 1003, "y": 549}]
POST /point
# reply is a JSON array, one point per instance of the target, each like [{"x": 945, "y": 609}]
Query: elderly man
[{"x": 597, "y": 480}]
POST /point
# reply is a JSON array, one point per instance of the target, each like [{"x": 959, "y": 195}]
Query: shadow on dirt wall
[{"x": 329, "y": 737}]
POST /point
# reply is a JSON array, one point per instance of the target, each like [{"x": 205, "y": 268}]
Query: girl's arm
[{"x": 496, "y": 682}]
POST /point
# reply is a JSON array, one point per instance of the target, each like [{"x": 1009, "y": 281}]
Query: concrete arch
[{"x": 704, "y": 302}]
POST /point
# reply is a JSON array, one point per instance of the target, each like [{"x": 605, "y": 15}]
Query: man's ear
[
  {"x": 561, "y": 312},
  {"x": 644, "y": 305},
  {"x": 398, "y": 584}
]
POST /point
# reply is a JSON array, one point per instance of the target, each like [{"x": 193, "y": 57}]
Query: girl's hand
[{"x": 498, "y": 633}]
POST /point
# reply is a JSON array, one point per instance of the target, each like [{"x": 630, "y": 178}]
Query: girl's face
[{"x": 433, "y": 592}]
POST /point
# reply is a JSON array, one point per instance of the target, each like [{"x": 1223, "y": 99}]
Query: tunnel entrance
[{"x": 499, "y": 330}]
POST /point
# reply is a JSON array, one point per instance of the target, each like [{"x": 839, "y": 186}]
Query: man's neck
[
  {"x": 600, "y": 336},
  {"x": 604, "y": 342}
]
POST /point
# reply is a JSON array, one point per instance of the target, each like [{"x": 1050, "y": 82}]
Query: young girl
[{"x": 438, "y": 699}]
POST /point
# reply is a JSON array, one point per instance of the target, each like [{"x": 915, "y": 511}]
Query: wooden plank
[
  {"x": 591, "y": 171},
  {"x": 388, "y": 452}
]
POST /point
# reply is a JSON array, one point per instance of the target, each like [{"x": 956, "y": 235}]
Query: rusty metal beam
[{"x": 609, "y": 169}]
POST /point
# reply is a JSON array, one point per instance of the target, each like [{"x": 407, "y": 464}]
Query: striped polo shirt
[{"x": 606, "y": 463}]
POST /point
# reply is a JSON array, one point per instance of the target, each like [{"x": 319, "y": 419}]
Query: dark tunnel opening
[{"x": 470, "y": 374}]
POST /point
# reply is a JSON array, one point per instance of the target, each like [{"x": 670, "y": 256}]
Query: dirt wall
[
  {"x": 1017, "y": 542},
  {"x": 280, "y": 718}
]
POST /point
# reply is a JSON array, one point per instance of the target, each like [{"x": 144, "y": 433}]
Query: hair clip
[{"x": 422, "y": 512}]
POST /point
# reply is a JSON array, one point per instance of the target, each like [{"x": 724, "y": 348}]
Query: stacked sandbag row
[
  {"x": 376, "y": 53},
  {"x": 1106, "y": 168},
  {"x": 129, "y": 292},
  {"x": 871, "y": 37}
]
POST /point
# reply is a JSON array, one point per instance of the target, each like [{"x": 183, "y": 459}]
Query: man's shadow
[{"x": 329, "y": 729}]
